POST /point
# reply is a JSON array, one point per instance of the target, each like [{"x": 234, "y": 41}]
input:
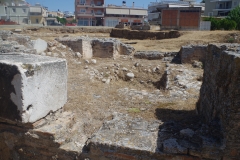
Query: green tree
[
  {"x": 62, "y": 20},
  {"x": 228, "y": 24},
  {"x": 235, "y": 16}
]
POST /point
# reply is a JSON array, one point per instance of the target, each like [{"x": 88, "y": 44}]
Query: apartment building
[
  {"x": 220, "y": 7},
  {"x": 14, "y": 11},
  {"x": 38, "y": 14},
  {"x": 55, "y": 14},
  {"x": 122, "y": 14},
  {"x": 90, "y": 12}
]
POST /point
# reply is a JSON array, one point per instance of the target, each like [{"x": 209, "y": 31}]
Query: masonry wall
[
  {"x": 181, "y": 18},
  {"x": 134, "y": 34},
  {"x": 219, "y": 96},
  {"x": 191, "y": 53}
]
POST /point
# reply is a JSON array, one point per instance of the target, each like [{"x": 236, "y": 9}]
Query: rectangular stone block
[
  {"x": 31, "y": 86},
  {"x": 190, "y": 53}
]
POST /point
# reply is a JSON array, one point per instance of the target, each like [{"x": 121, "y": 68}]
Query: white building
[
  {"x": 220, "y": 7},
  {"x": 14, "y": 10},
  {"x": 122, "y": 14}
]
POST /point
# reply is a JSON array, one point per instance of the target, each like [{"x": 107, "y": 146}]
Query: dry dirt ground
[{"x": 94, "y": 101}]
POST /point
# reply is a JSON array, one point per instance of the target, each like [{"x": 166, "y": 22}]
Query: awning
[
  {"x": 35, "y": 10},
  {"x": 138, "y": 12},
  {"x": 117, "y": 11}
]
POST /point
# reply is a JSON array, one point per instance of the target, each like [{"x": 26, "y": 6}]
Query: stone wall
[
  {"x": 191, "y": 53},
  {"x": 134, "y": 34},
  {"x": 65, "y": 29},
  {"x": 93, "y": 47},
  {"x": 219, "y": 97},
  {"x": 145, "y": 27}
]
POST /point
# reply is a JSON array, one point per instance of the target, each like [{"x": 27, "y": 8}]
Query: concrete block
[{"x": 31, "y": 86}]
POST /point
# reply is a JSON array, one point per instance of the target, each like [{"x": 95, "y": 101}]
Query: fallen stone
[
  {"x": 150, "y": 55},
  {"x": 34, "y": 86},
  {"x": 40, "y": 45},
  {"x": 77, "y": 54},
  {"x": 18, "y": 30},
  {"x": 93, "y": 61},
  {"x": 130, "y": 75}
]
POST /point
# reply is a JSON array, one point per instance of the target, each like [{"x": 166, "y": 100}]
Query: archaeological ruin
[{"x": 46, "y": 83}]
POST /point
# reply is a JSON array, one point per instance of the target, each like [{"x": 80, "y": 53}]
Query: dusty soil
[{"x": 94, "y": 101}]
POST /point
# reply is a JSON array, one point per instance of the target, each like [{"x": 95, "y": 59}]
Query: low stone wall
[
  {"x": 93, "y": 47},
  {"x": 145, "y": 27},
  {"x": 191, "y": 53},
  {"x": 75, "y": 29},
  {"x": 219, "y": 97},
  {"x": 133, "y": 34}
]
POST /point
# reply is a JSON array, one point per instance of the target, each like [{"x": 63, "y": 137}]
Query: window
[
  {"x": 24, "y": 10},
  {"x": 37, "y": 21},
  {"x": 83, "y": 21},
  {"x": 234, "y": 3},
  {"x": 14, "y": 10},
  {"x": 99, "y": 3},
  {"x": 82, "y": 10},
  {"x": 82, "y": 1},
  {"x": 5, "y": 10}
]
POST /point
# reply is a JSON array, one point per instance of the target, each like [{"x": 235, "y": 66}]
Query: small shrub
[{"x": 231, "y": 40}]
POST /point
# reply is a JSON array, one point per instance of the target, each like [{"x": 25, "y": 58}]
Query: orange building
[{"x": 89, "y": 12}]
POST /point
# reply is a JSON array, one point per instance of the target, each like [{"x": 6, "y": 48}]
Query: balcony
[
  {"x": 220, "y": 0},
  {"x": 90, "y": 14},
  {"x": 217, "y": 8},
  {"x": 91, "y": 5},
  {"x": 85, "y": 14},
  {"x": 99, "y": 14}
]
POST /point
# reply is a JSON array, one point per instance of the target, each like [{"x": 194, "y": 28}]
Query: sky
[{"x": 68, "y": 5}]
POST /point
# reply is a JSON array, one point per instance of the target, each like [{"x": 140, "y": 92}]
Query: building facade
[
  {"x": 182, "y": 18},
  {"x": 90, "y": 12},
  {"x": 122, "y": 14},
  {"x": 37, "y": 15},
  {"x": 220, "y": 7},
  {"x": 14, "y": 11},
  {"x": 155, "y": 8}
]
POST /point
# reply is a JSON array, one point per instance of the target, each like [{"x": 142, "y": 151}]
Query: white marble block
[{"x": 31, "y": 86}]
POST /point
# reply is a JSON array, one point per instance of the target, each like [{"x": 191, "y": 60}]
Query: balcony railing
[
  {"x": 223, "y": 7},
  {"x": 96, "y": 14},
  {"x": 91, "y": 5},
  {"x": 220, "y": 0}
]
